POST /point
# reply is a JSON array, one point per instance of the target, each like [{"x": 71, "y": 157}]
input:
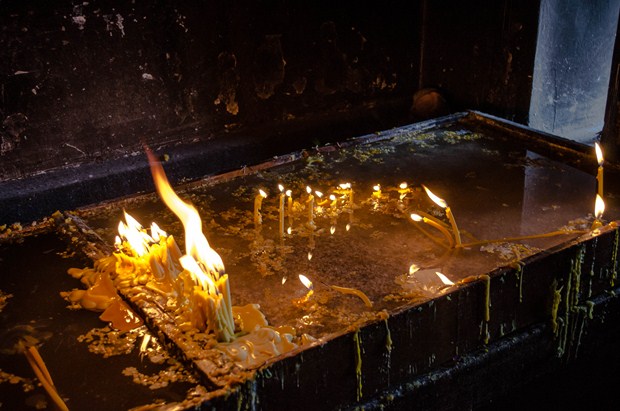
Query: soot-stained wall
[{"x": 84, "y": 83}]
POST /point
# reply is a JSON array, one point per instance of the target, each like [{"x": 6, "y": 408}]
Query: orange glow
[
  {"x": 599, "y": 207},
  {"x": 306, "y": 282},
  {"x": 599, "y": 154},
  {"x": 196, "y": 244},
  {"x": 437, "y": 200}
]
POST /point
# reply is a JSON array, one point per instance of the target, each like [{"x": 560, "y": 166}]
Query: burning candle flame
[
  {"x": 377, "y": 187},
  {"x": 319, "y": 194},
  {"x": 413, "y": 268},
  {"x": 332, "y": 229},
  {"x": 196, "y": 244},
  {"x": 403, "y": 186},
  {"x": 416, "y": 217},
  {"x": 281, "y": 188},
  {"x": 306, "y": 282},
  {"x": 599, "y": 207},
  {"x": 437, "y": 200},
  {"x": 289, "y": 193},
  {"x": 262, "y": 193},
  {"x": 345, "y": 186},
  {"x": 443, "y": 278},
  {"x": 132, "y": 232},
  {"x": 157, "y": 233},
  {"x": 308, "y": 189},
  {"x": 599, "y": 154}
]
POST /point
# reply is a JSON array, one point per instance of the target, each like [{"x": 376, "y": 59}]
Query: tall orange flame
[{"x": 196, "y": 244}]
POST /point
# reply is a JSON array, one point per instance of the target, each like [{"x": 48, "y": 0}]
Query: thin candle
[
  {"x": 442, "y": 203},
  {"x": 403, "y": 190},
  {"x": 443, "y": 230},
  {"x": 310, "y": 206},
  {"x": 599, "y": 174},
  {"x": 289, "y": 212},
  {"x": 281, "y": 208},
  {"x": 258, "y": 201},
  {"x": 353, "y": 291}
]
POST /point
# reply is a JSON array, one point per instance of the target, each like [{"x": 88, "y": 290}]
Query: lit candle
[
  {"x": 258, "y": 201},
  {"x": 282, "y": 195},
  {"x": 377, "y": 191},
  {"x": 599, "y": 174},
  {"x": 442, "y": 203},
  {"x": 289, "y": 201},
  {"x": 403, "y": 190},
  {"x": 348, "y": 190},
  {"x": 444, "y": 279},
  {"x": 308, "y": 284},
  {"x": 310, "y": 206},
  {"x": 599, "y": 209}
]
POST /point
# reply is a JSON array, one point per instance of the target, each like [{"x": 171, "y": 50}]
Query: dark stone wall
[
  {"x": 89, "y": 80},
  {"x": 83, "y": 84}
]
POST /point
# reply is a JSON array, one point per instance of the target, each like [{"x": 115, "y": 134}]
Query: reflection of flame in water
[{"x": 599, "y": 207}]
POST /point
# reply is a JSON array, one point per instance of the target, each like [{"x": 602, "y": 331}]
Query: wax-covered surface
[
  {"x": 494, "y": 188},
  {"x": 33, "y": 272}
]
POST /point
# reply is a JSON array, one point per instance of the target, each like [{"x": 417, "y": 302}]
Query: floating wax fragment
[
  {"x": 249, "y": 317},
  {"x": 121, "y": 316}
]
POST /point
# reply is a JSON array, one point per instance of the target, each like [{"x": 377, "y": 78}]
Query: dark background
[{"x": 84, "y": 82}]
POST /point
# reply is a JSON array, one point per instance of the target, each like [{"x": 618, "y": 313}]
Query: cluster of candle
[{"x": 315, "y": 203}]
